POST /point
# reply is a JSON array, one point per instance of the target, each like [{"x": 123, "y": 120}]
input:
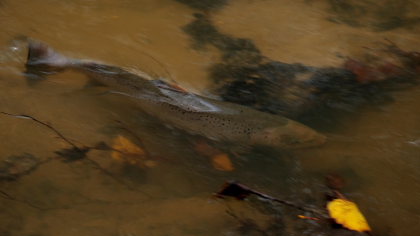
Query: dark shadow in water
[
  {"x": 134, "y": 174},
  {"x": 204, "y": 5},
  {"x": 318, "y": 97},
  {"x": 377, "y": 15},
  {"x": 13, "y": 167}
]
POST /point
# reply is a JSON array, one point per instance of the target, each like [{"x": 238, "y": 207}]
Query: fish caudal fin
[
  {"x": 42, "y": 61},
  {"x": 40, "y": 53}
]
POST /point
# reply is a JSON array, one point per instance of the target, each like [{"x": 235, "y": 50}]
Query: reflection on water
[{"x": 375, "y": 149}]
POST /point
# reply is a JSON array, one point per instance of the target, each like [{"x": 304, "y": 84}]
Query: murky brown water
[{"x": 378, "y": 153}]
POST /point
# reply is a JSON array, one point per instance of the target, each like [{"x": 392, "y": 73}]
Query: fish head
[{"x": 292, "y": 135}]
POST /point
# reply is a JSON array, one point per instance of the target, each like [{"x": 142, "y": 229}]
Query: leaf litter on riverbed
[
  {"x": 219, "y": 159},
  {"x": 127, "y": 152}
]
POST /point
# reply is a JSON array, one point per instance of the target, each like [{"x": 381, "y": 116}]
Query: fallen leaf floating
[
  {"x": 128, "y": 152},
  {"x": 347, "y": 214},
  {"x": 222, "y": 162}
]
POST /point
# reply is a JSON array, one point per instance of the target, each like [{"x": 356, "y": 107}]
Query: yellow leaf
[
  {"x": 129, "y": 153},
  {"x": 222, "y": 162},
  {"x": 125, "y": 148},
  {"x": 347, "y": 213}
]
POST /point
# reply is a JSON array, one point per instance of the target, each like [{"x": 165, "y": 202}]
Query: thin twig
[
  {"x": 289, "y": 203},
  {"x": 90, "y": 161},
  {"x": 11, "y": 198},
  {"x": 241, "y": 191},
  {"x": 23, "y": 116},
  {"x": 112, "y": 176}
]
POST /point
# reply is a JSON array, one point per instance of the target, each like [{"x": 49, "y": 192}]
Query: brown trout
[{"x": 195, "y": 114}]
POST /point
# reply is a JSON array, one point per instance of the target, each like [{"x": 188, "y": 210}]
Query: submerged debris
[
  {"x": 16, "y": 166},
  {"x": 131, "y": 154},
  {"x": 343, "y": 217},
  {"x": 219, "y": 159},
  {"x": 73, "y": 154},
  {"x": 240, "y": 192},
  {"x": 234, "y": 189}
]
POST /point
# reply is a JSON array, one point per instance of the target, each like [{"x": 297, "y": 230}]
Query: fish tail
[
  {"x": 43, "y": 60},
  {"x": 40, "y": 53}
]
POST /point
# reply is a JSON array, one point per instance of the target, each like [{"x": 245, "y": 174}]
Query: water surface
[{"x": 377, "y": 150}]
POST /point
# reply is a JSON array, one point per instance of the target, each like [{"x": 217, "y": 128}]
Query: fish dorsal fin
[
  {"x": 192, "y": 102},
  {"x": 163, "y": 85}
]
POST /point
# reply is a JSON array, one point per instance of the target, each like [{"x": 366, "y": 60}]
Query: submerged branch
[
  {"x": 240, "y": 191},
  {"x": 75, "y": 153},
  {"x": 22, "y": 116},
  {"x": 11, "y": 198}
]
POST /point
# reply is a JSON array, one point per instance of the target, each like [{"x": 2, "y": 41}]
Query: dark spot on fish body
[{"x": 248, "y": 131}]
